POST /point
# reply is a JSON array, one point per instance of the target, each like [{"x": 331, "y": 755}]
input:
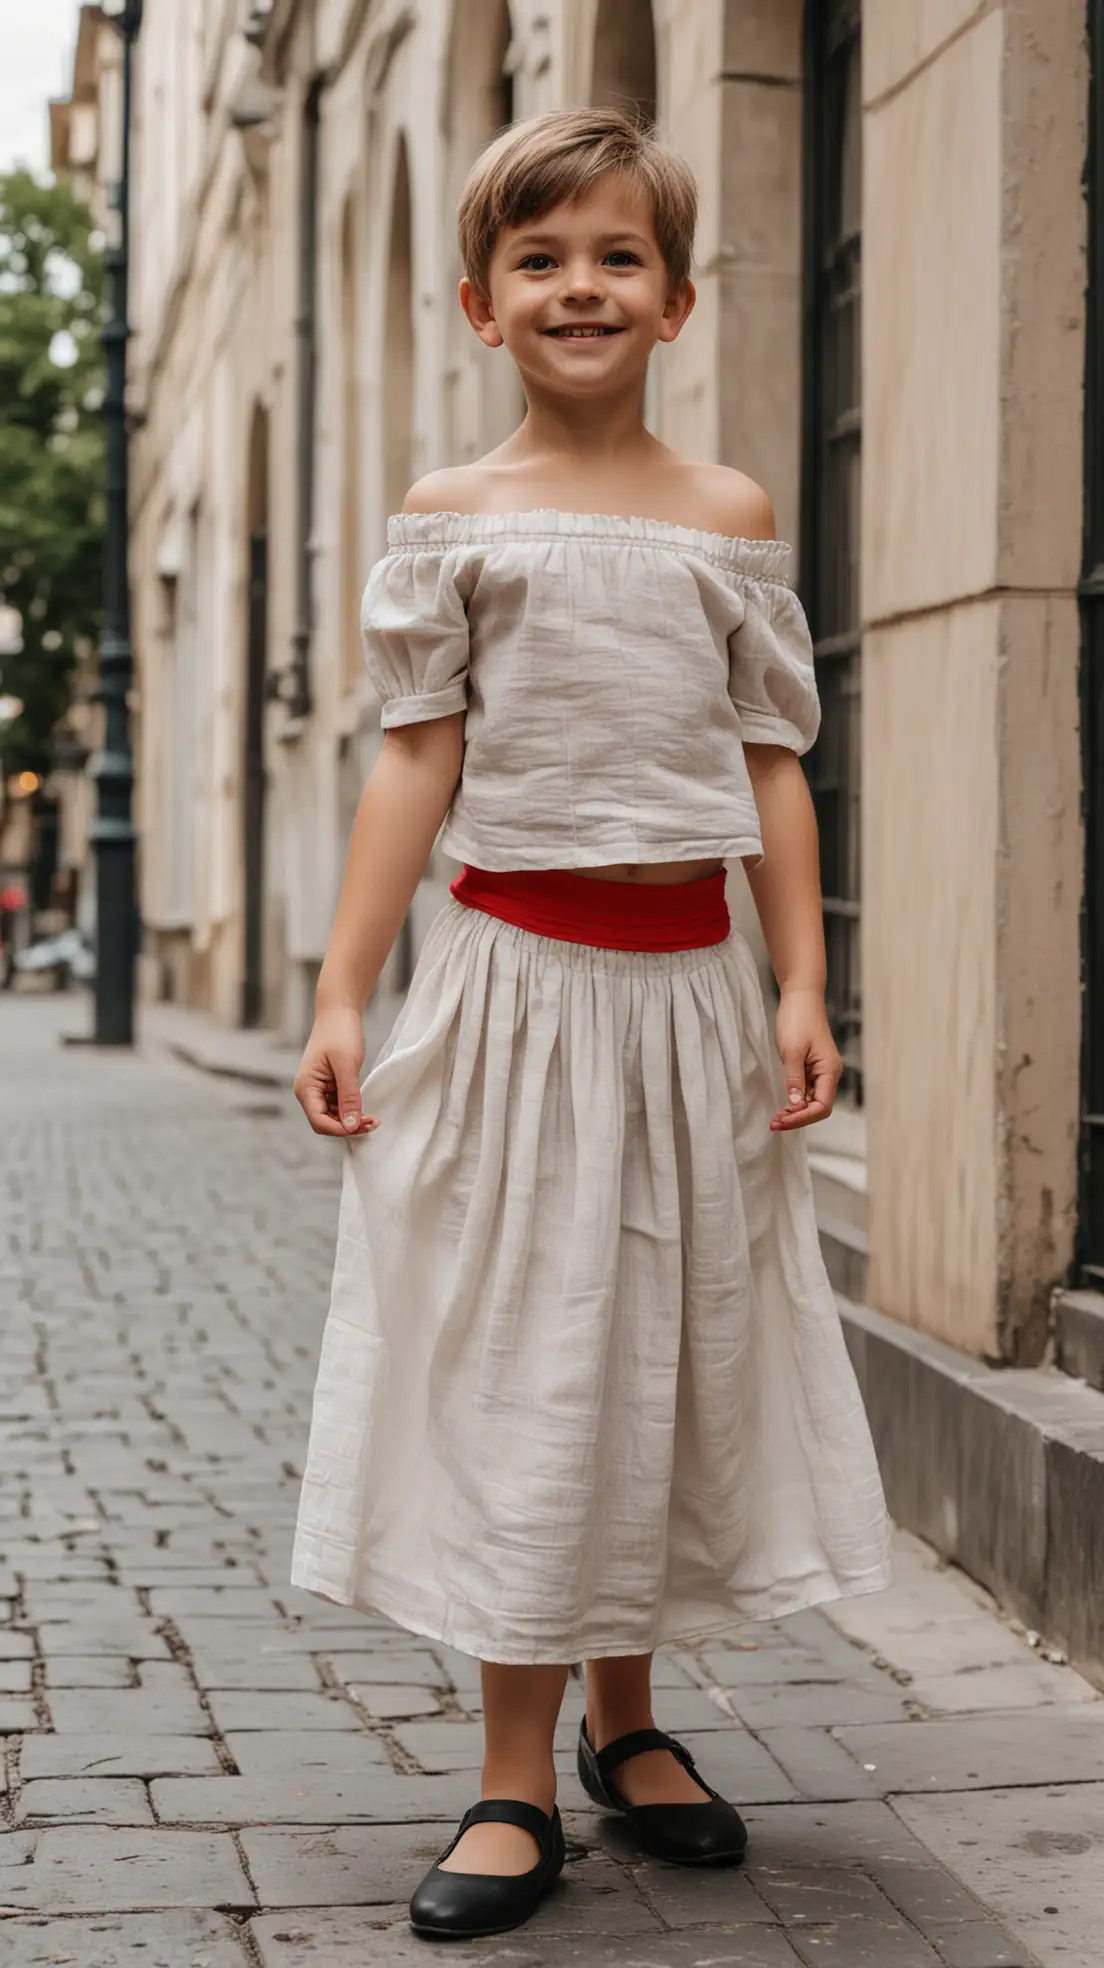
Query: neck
[{"x": 582, "y": 428}]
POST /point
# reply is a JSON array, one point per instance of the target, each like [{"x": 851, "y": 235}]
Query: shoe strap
[
  {"x": 511, "y": 1811},
  {"x": 636, "y": 1743}
]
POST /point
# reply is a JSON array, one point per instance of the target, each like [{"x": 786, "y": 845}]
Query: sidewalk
[
  {"x": 257, "y": 1058},
  {"x": 208, "y": 1769}
]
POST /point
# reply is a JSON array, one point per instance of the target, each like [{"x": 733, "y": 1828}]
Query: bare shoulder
[
  {"x": 454, "y": 489},
  {"x": 732, "y": 503}
]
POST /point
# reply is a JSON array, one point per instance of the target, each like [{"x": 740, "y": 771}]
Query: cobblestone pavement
[{"x": 206, "y": 1769}]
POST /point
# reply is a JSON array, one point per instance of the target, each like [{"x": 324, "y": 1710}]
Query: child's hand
[
  {"x": 809, "y": 1057},
  {"x": 327, "y": 1085}
]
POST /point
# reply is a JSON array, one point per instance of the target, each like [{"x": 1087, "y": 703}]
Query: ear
[
  {"x": 677, "y": 310},
  {"x": 477, "y": 307}
]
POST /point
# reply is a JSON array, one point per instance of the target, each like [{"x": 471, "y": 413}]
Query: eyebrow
[{"x": 604, "y": 239}]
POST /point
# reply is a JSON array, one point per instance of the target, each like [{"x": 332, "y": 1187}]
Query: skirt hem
[{"x": 387, "y": 1603}]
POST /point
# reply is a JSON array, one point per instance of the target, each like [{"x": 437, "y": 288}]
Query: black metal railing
[{"x": 831, "y": 484}]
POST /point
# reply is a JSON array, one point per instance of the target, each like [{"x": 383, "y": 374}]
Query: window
[{"x": 831, "y": 484}]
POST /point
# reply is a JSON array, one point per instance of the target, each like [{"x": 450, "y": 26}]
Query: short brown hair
[{"x": 560, "y": 157}]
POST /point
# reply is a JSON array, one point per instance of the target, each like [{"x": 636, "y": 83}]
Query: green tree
[{"x": 51, "y": 451}]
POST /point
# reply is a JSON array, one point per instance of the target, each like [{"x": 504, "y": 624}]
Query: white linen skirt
[{"x": 583, "y": 1389}]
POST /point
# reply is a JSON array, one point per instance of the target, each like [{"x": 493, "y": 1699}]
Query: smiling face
[{"x": 581, "y": 295}]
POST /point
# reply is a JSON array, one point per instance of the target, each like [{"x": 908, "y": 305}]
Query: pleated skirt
[{"x": 583, "y": 1389}]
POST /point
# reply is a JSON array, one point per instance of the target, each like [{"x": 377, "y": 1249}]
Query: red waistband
[{"x": 607, "y": 915}]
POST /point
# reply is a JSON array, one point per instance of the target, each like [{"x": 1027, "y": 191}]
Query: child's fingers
[
  {"x": 347, "y": 1101},
  {"x": 319, "y": 1097},
  {"x": 793, "y": 1066},
  {"x": 825, "y": 1083},
  {"x": 312, "y": 1099},
  {"x": 800, "y": 1117}
]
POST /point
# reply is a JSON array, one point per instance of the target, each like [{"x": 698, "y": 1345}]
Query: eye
[
  {"x": 530, "y": 262},
  {"x": 624, "y": 256}
]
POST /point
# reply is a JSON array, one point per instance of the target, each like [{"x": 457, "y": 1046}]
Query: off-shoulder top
[{"x": 610, "y": 670}]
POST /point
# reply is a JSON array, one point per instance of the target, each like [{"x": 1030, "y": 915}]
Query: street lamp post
[{"x": 112, "y": 832}]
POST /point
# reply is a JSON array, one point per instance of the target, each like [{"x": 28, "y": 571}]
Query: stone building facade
[{"x": 896, "y": 297}]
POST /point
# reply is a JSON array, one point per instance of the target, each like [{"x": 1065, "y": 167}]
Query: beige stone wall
[
  {"x": 215, "y": 301},
  {"x": 973, "y": 297}
]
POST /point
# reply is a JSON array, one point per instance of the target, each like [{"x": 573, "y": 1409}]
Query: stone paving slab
[
  {"x": 977, "y": 1944},
  {"x": 93, "y": 1870},
  {"x": 245, "y": 1711},
  {"x": 861, "y": 1943},
  {"x": 994, "y": 1750},
  {"x": 256, "y": 1673},
  {"x": 307, "y": 1798},
  {"x": 977, "y": 1690},
  {"x": 93, "y": 1671},
  {"x": 392, "y": 1701},
  {"x": 131, "y": 1639},
  {"x": 788, "y": 1705},
  {"x": 818, "y": 1766},
  {"x": 178, "y": 1939},
  {"x": 685, "y": 1898},
  {"x": 117, "y": 1756},
  {"x": 1037, "y": 1853},
  {"x": 290, "y": 1750},
  {"x": 100, "y": 1711},
  {"x": 17, "y": 1714},
  {"x": 87, "y": 1800},
  {"x": 405, "y": 1669}
]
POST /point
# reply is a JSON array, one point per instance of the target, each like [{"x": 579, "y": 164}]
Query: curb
[
  {"x": 1001, "y": 1469},
  {"x": 263, "y": 1076}
]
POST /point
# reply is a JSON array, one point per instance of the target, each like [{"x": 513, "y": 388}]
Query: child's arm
[
  {"x": 786, "y": 890},
  {"x": 786, "y": 884},
  {"x": 401, "y": 809}
]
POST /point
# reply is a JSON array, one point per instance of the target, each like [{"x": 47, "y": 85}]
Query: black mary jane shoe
[
  {"x": 711, "y": 1833},
  {"x": 463, "y": 1905}
]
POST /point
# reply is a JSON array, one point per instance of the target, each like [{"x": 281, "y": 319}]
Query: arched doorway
[
  {"x": 484, "y": 398},
  {"x": 623, "y": 72},
  {"x": 253, "y": 780},
  {"x": 398, "y": 342}
]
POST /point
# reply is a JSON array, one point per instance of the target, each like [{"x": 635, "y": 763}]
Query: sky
[{"x": 37, "y": 38}]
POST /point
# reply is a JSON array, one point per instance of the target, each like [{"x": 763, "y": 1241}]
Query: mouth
[{"x": 580, "y": 331}]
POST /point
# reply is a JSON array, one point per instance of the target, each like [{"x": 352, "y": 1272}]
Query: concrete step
[
  {"x": 1079, "y": 1335},
  {"x": 1001, "y": 1469}
]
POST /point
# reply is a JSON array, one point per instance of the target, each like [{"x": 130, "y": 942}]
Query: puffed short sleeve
[
  {"x": 414, "y": 627},
  {"x": 770, "y": 669}
]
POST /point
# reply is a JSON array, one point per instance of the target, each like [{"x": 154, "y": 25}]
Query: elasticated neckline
[{"x": 765, "y": 559}]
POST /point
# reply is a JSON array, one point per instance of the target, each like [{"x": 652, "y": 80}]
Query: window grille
[{"x": 831, "y": 486}]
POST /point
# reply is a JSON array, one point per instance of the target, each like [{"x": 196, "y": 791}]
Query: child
[{"x": 583, "y": 1390}]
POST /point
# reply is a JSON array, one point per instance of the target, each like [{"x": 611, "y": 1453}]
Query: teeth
[{"x": 578, "y": 334}]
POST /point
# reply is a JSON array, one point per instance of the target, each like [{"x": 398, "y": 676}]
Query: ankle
[
  {"x": 526, "y": 1782},
  {"x": 605, "y": 1724}
]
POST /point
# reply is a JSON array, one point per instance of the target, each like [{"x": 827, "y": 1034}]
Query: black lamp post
[{"x": 112, "y": 832}]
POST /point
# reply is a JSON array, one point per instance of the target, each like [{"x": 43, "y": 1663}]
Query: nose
[{"x": 582, "y": 281}]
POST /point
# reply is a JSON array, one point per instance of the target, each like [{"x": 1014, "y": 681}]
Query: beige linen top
[{"x": 611, "y": 671}]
